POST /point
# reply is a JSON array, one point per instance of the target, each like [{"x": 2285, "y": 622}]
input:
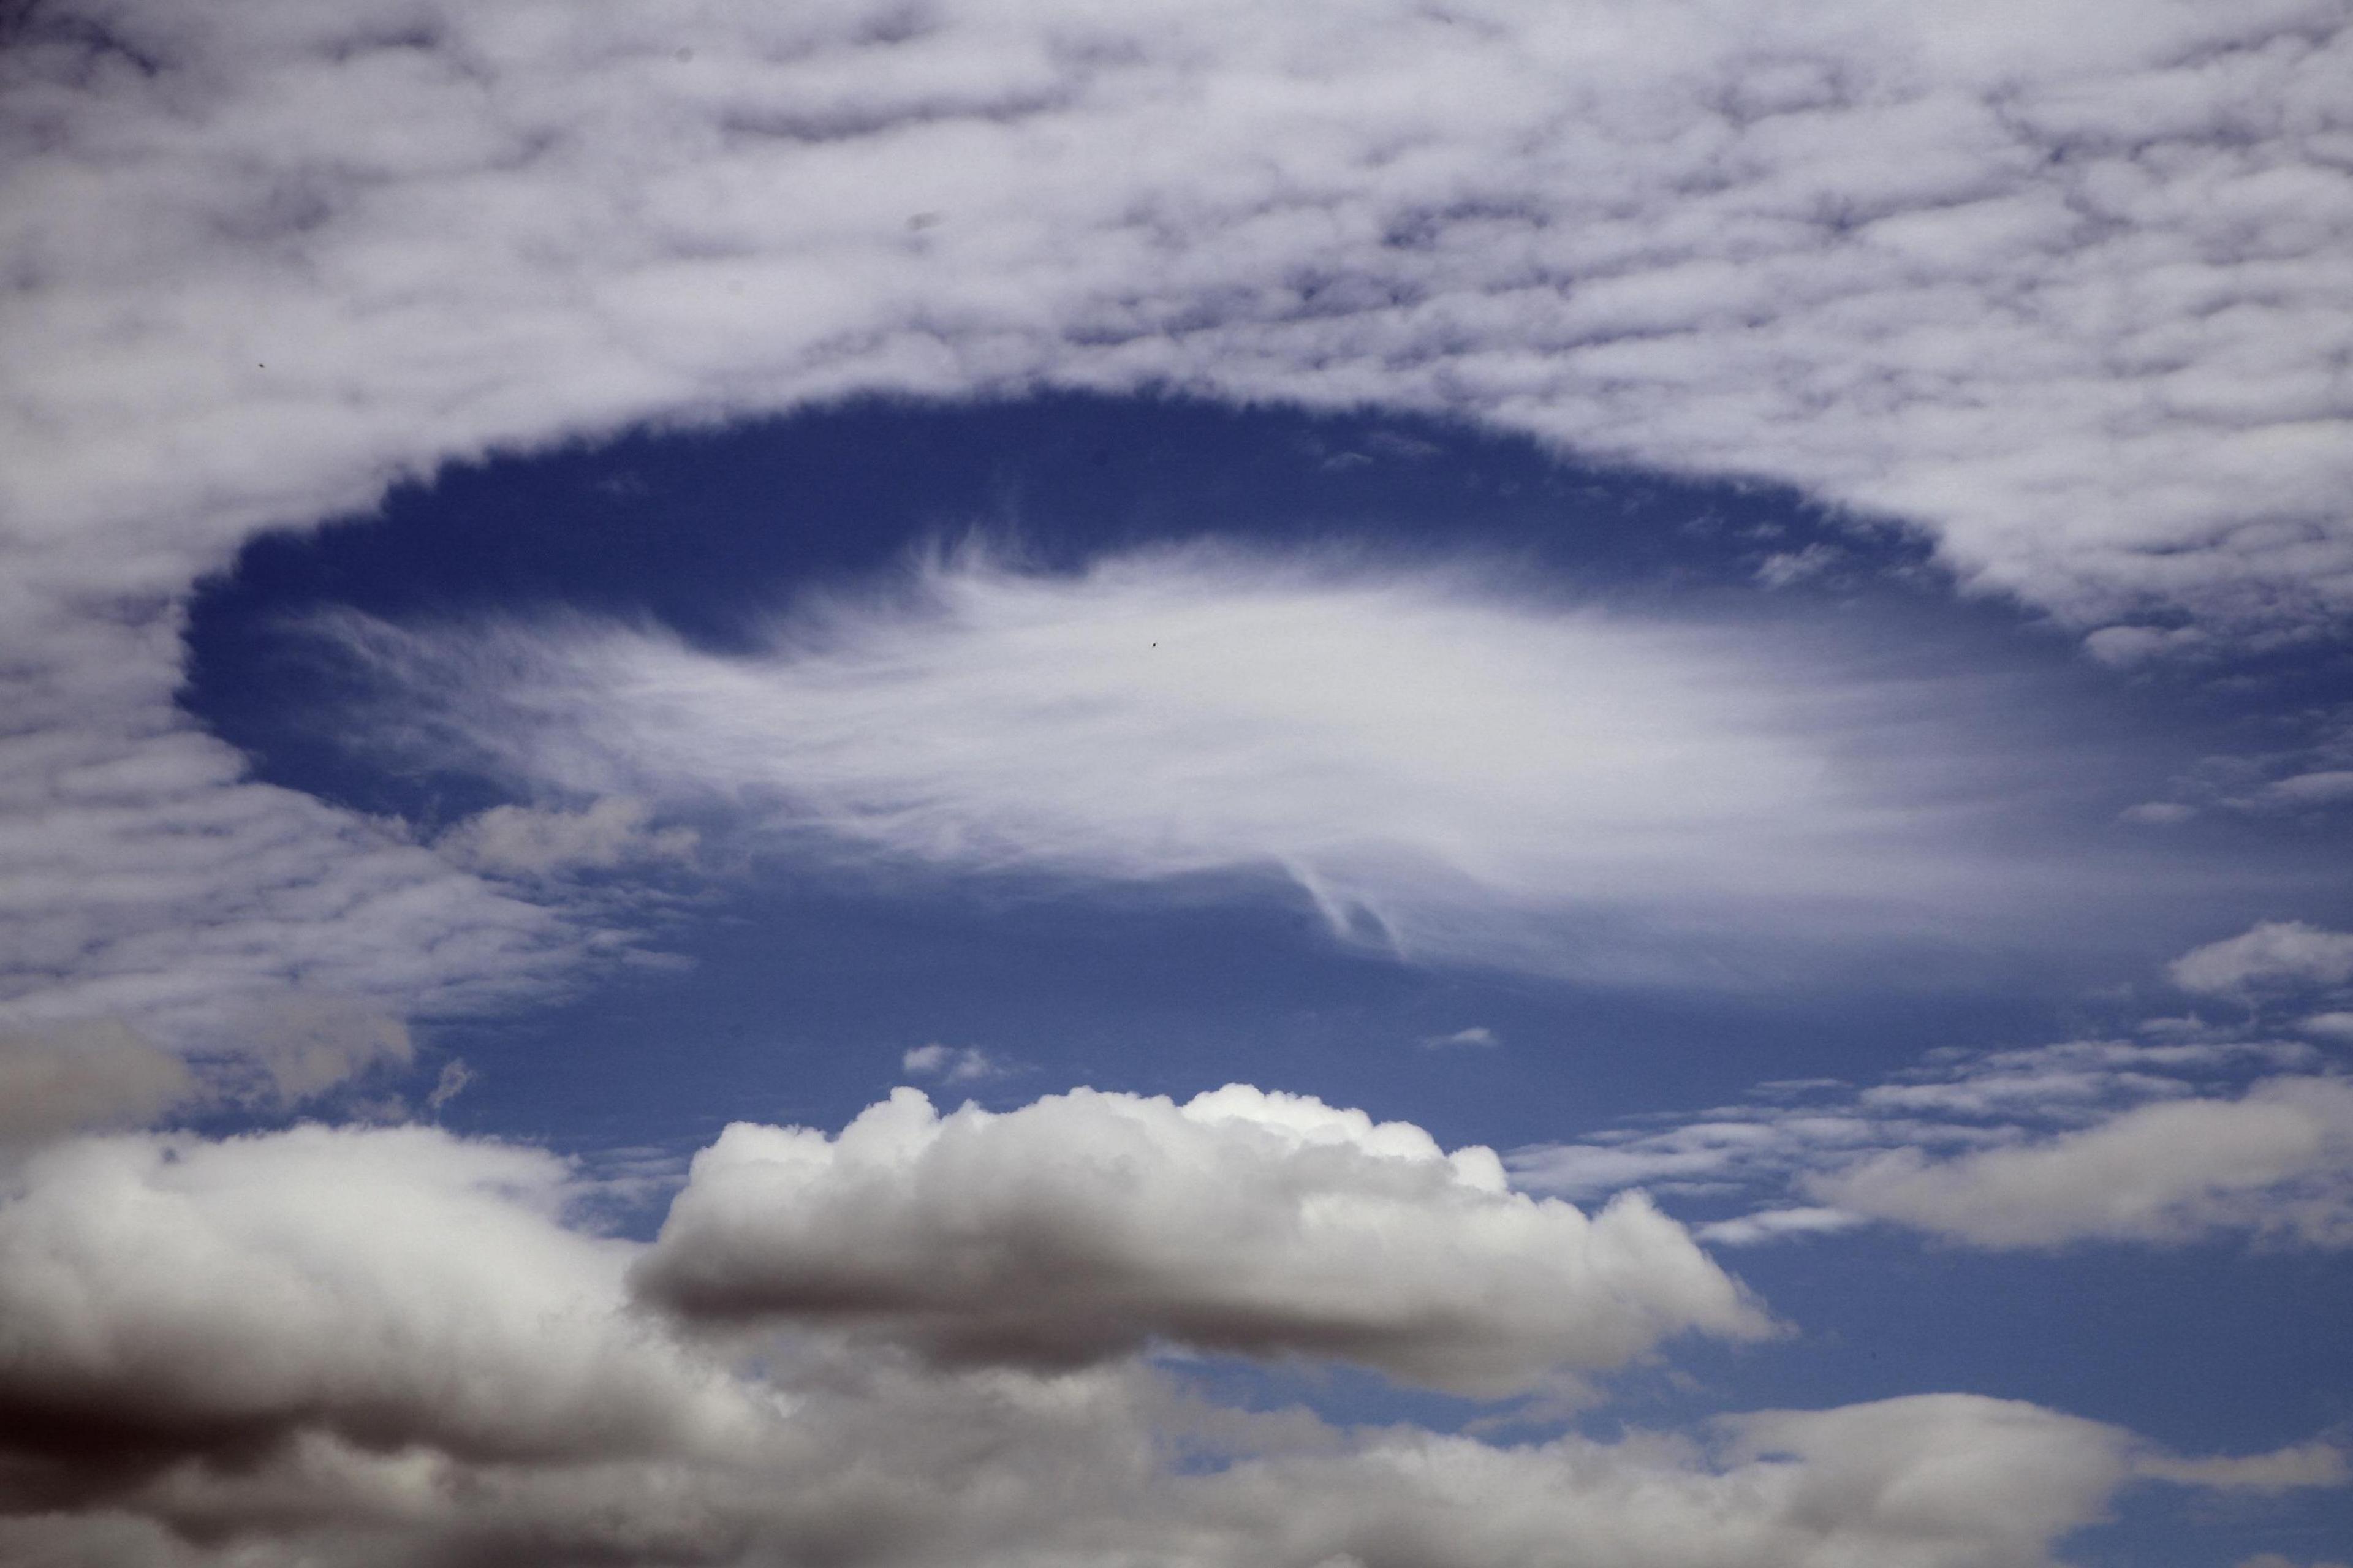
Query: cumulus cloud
[
  {"x": 1446, "y": 766},
  {"x": 340, "y": 1347},
  {"x": 172, "y": 1301},
  {"x": 1092, "y": 1225}
]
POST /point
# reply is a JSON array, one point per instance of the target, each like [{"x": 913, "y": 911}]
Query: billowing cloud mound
[
  {"x": 1090, "y": 1224},
  {"x": 391, "y": 1349},
  {"x": 170, "y": 1299}
]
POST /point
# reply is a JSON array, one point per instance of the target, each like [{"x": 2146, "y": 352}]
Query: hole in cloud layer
[{"x": 1452, "y": 763}]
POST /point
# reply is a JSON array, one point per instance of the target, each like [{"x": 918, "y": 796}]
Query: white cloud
[
  {"x": 2326, "y": 787},
  {"x": 1775, "y": 1225},
  {"x": 2285, "y": 1470},
  {"x": 1240, "y": 1222},
  {"x": 2066, "y": 294},
  {"x": 532, "y": 841},
  {"x": 2102, "y": 1140},
  {"x": 2067, "y": 297},
  {"x": 348, "y": 1348},
  {"x": 951, "y": 1063},
  {"x": 170, "y": 1298},
  {"x": 2279, "y": 1159},
  {"x": 2273, "y": 954},
  {"x": 144, "y": 883},
  {"x": 1476, "y": 1034},
  {"x": 1445, "y": 765},
  {"x": 82, "y": 1078}
]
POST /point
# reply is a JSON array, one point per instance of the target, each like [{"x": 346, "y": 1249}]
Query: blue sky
[{"x": 1000, "y": 785}]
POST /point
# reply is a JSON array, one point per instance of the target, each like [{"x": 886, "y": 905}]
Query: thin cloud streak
[{"x": 2185, "y": 1133}]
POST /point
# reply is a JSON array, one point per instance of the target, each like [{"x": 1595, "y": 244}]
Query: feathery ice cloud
[{"x": 1447, "y": 768}]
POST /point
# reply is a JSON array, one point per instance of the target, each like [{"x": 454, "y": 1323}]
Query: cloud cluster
[
  {"x": 2276, "y": 1161},
  {"x": 1446, "y": 766},
  {"x": 176, "y": 1301},
  {"x": 364, "y": 1347},
  {"x": 145, "y": 882},
  {"x": 538, "y": 841},
  {"x": 1090, "y": 1226},
  {"x": 2066, "y": 296},
  {"x": 2159, "y": 1143},
  {"x": 2270, "y": 956}
]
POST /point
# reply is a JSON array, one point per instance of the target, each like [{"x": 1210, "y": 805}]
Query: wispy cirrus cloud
[
  {"x": 2187, "y": 1132},
  {"x": 1448, "y": 766}
]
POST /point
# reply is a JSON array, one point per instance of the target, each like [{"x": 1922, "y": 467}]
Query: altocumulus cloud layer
[
  {"x": 392, "y": 1346},
  {"x": 2062, "y": 292}
]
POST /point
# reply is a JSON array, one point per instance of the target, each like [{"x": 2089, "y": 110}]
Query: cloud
[
  {"x": 1447, "y": 767},
  {"x": 173, "y": 1299},
  {"x": 79, "y": 1078},
  {"x": 530, "y": 841},
  {"x": 2285, "y": 1470},
  {"x": 2278, "y": 1160},
  {"x": 348, "y": 1347},
  {"x": 1242, "y": 1222},
  {"x": 951, "y": 1063},
  {"x": 2271, "y": 954},
  {"x": 2066, "y": 298},
  {"x": 2088, "y": 1140},
  {"x": 1476, "y": 1034},
  {"x": 146, "y": 883}
]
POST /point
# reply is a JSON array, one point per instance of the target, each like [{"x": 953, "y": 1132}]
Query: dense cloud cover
[
  {"x": 393, "y": 1346},
  {"x": 2062, "y": 292},
  {"x": 2062, "y": 288}
]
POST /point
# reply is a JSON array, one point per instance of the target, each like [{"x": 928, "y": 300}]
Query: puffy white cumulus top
[{"x": 1093, "y": 1224}]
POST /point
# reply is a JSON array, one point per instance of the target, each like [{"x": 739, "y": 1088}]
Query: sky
[{"x": 1349, "y": 785}]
